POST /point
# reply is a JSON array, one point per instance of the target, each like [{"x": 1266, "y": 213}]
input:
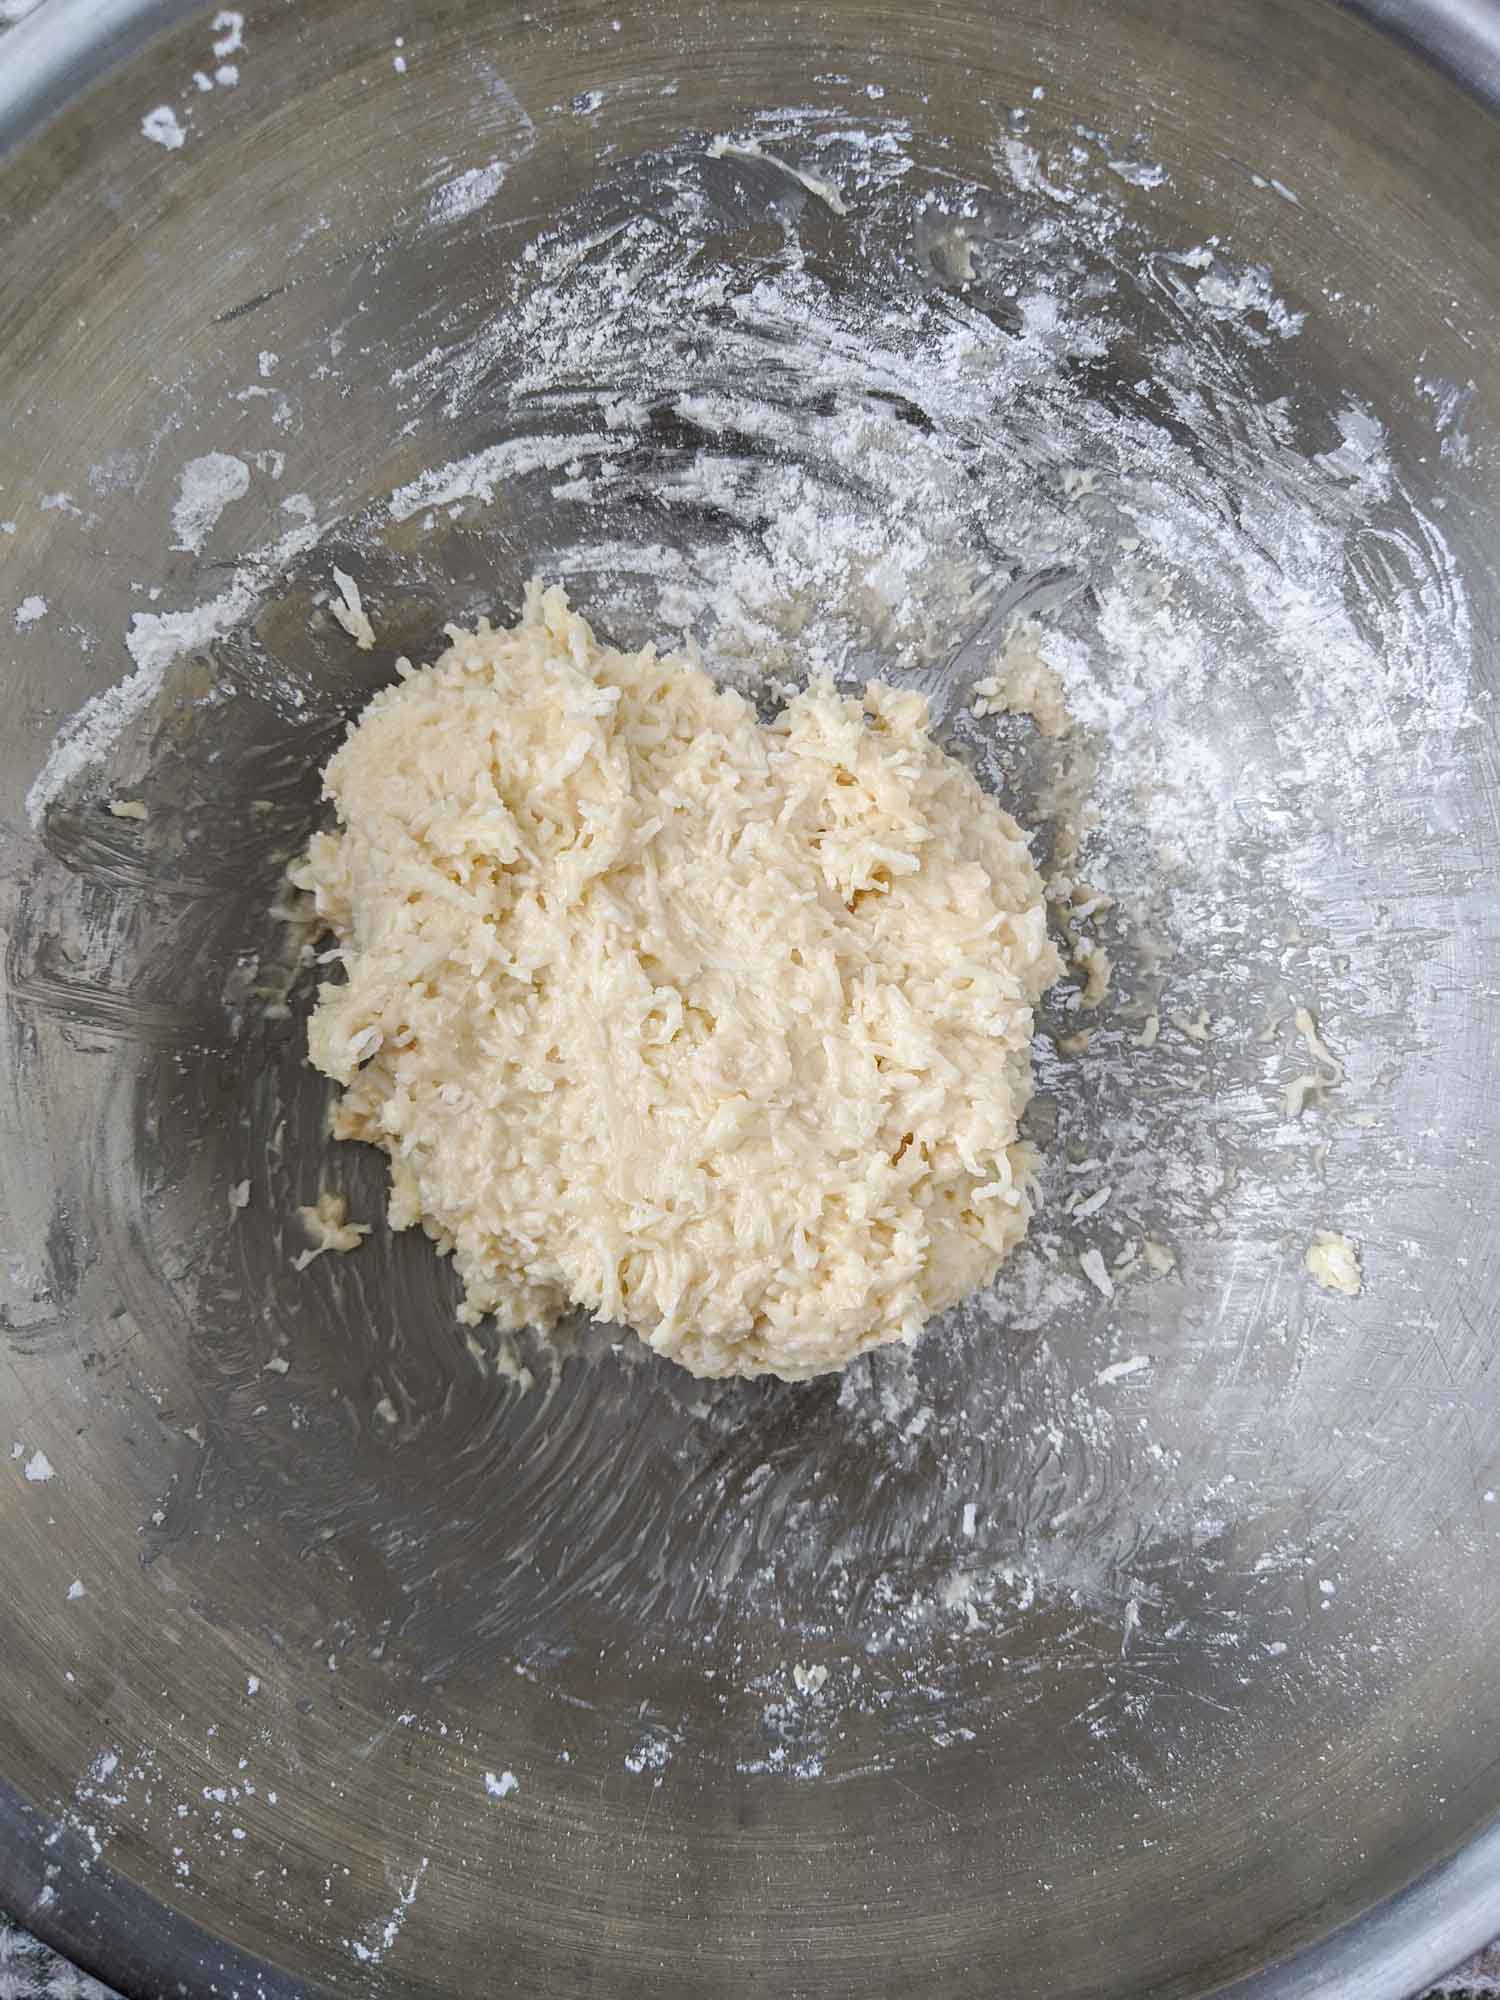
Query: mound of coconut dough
[{"x": 716, "y": 1028}]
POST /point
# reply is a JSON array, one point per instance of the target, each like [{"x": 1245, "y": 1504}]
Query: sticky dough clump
[{"x": 716, "y": 1028}]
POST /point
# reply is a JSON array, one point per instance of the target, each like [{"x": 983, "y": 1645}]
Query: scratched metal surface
[{"x": 271, "y": 1650}]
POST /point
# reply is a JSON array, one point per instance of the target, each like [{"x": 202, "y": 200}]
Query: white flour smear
[
  {"x": 154, "y": 640},
  {"x": 164, "y": 128},
  {"x": 208, "y": 485}
]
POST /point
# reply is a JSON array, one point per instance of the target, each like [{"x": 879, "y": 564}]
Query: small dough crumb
[
  {"x": 1159, "y": 1256},
  {"x": 1301, "y": 1091},
  {"x": 1198, "y": 1028},
  {"x": 725, "y": 148},
  {"x": 1121, "y": 1371},
  {"x": 809, "y": 1680},
  {"x": 348, "y": 607},
  {"x": 328, "y": 1227},
  {"x": 1092, "y": 1204},
  {"x": 1097, "y": 1272},
  {"x": 1150, "y": 1029},
  {"x": 1311, "y": 1086},
  {"x": 1333, "y": 1262},
  {"x": 1307, "y": 1027},
  {"x": 1022, "y": 683},
  {"x": 239, "y": 1197},
  {"x": 127, "y": 809},
  {"x": 508, "y": 1365},
  {"x": 1095, "y": 963}
]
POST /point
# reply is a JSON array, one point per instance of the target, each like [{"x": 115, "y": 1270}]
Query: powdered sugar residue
[
  {"x": 379, "y": 1938},
  {"x": 164, "y": 128},
  {"x": 467, "y": 192},
  {"x": 206, "y": 487},
  {"x": 155, "y": 639}
]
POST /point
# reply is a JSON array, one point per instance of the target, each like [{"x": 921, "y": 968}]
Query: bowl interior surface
[{"x": 1137, "y": 1631}]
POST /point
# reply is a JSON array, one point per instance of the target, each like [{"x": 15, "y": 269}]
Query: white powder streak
[
  {"x": 161, "y": 125},
  {"x": 751, "y": 149},
  {"x": 1117, "y": 1371},
  {"x": 477, "y": 476},
  {"x": 206, "y": 487},
  {"x": 467, "y": 192},
  {"x": 154, "y": 641}
]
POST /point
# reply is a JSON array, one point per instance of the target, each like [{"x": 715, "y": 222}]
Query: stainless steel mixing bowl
[{"x": 1140, "y": 1633}]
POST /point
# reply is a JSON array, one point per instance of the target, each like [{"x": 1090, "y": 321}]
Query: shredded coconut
[
  {"x": 1097, "y": 1272},
  {"x": 328, "y": 1228},
  {"x": 717, "y": 1029},
  {"x": 751, "y": 149},
  {"x": 349, "y": 609},
  {"x": 1333, "y": 1262},
  {"x": 1118, "y": 1371},
  {"x": 1024, "y": 684}
]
